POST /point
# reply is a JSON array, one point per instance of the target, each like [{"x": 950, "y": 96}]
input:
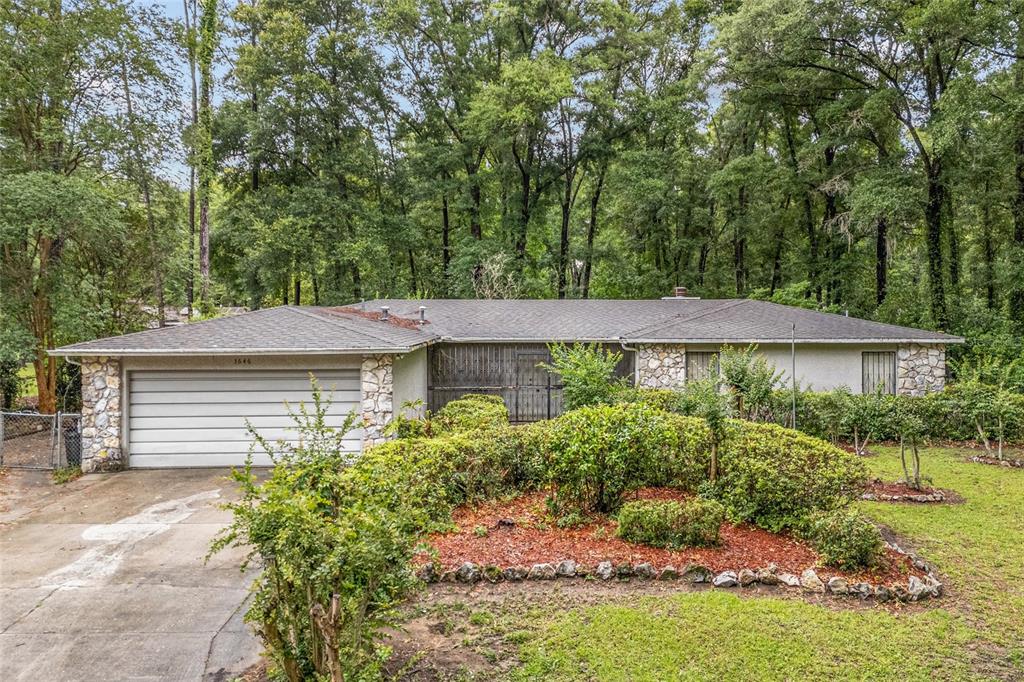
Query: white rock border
[
  {"x": 995, "y": 461},
  {"x": 914, "y": 590}
]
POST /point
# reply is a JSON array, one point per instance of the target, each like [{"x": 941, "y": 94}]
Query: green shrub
[
  {"x": 597, "y": 454},
  {"x": 773, "y": 477},
  {"x": 470, "y": 412},
  {"x": 658, "y": 398},
  {"x": 334, "y": 550},
  {"x": 844, "y": 538},
  {"x": 670, "y": 524},
  {"x": 752, "y": 378},
  {"x": 587, "y": 371}
]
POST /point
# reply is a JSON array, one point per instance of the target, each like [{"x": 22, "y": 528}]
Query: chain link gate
[{"x": 40, "y": 441}]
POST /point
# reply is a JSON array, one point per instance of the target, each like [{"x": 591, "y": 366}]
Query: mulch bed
[
  {"x": 520, "y": 532},
  {"x": 1006, "y": 462},
  {"x": 882, "y": 491}
]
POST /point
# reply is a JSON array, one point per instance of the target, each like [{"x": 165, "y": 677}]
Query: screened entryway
[{"x": 510, "y": 370}]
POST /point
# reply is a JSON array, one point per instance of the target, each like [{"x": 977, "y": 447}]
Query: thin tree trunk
[
  {"x": 142, "y": 175},
  {"x": 207, "y": 46},
  {"x": 881, "y": 260},
  {"x": 588, "y": 258},
  {"x": 933, "y": 244},
  {"x": 1016, "y": 308},
  {"x": 190, "y": 279},
  {"x": 446, "y": 246}
]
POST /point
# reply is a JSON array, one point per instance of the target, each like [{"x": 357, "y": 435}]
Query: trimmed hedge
[
  {"x": 670, "y": 524},
  {"x": 844, "y": 538},
  {"x": 471, "y": 412},
  {"x": 599, "y": 453},
  {"x": 774, "y": 477}
]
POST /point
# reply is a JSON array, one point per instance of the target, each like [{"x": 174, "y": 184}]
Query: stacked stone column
[
  {"x": 101, "y": 415},
  {"x": 920, "y": 369},
  {"x": 661, "y": 366},
  {"x": 377, "y": 384}
]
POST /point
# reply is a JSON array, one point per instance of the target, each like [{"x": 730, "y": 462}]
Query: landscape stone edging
[
  {"x": 993, "y": 461},
  {"x": 937, "y": 496},
  {"x": 916, "y": 589}
]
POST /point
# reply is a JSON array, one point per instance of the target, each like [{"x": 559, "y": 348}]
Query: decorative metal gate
[
  {"x": 40, "y": 441},
  {"x": 510, "y": 370}
]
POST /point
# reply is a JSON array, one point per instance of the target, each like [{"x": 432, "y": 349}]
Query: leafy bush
[
  {"x": 773, "y": 476},
  {"x": 471, "y": 412},
  {"x": 658, "y": 398},
  {"x": 752, "y": 378},
  {"x": 586, "y": 370},
  {"x": 844, "y": 538},
  {"x": 597, "y": 454},
  {"x": 670, "y": 524},
  {"x": 334, "y": 549},
  {"x": 705, "y": 400}
]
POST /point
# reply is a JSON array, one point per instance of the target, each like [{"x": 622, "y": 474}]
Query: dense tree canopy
[{"x": 856, "y": 156}]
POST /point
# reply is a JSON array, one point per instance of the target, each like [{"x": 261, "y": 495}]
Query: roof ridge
[
  {"x": 336, "y": 321},
  {"x": 682, "y": 317}
]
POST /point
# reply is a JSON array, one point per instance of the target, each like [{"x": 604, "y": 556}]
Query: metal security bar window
[
  {"x": 700, "y": 365},
  {"x": 878, "y": 372}
]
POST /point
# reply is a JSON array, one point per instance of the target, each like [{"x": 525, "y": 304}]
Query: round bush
[
  {"x": 599, "y": 453},
  {"x": 844, "y": 538},
  {"x": 774, "y": 477},
  {"x": 670, "y": 524},
  {"x": 470, "y": 412}
]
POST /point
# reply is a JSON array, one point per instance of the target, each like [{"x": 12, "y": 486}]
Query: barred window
[
  {"x": 699, "y": 366},
  {"x": 878, "y": 372}
]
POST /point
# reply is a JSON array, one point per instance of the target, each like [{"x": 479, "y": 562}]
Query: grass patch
[
  {"x": 722, "y": 636},
  {"x": 975, "y": 632},
  {"x": 65, "y": 475}
]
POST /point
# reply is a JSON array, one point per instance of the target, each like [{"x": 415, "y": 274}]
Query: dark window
[
  {"x": 699, "y": 366},
  {"x": 878, "y": 372}
]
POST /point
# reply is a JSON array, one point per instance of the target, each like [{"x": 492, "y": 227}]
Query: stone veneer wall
[
  {"x": 920, "y": 369},
  {"x": 101, "y": 415},
  {"x": 377, "y": 385},
  {"x": 661, "y": 366}
]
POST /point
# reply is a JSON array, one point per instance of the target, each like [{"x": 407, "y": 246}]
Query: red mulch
[{"x": 534, "y": 539}]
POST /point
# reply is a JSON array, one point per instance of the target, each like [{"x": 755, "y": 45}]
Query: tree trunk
[
  {"x": 881, "y": 260},
  {"x": 563, "y": 238},
  {"x": 1017, "y": 251},
  {"x": 933, "y": 244},
  {"x": 446, "y": 246},
  {"x": 206, "y": 49},
  {"x": 190, "y": 279},
  {"x": 588, "y": 258},
  {"x": 988, "y": 251}
]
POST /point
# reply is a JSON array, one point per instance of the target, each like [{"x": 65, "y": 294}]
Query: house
[{"x": 181, "y": 396}]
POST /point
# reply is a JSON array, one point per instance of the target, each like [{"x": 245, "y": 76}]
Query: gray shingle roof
[
  {"x": 300, "y": 329},
  {"x": 286, "y": 329},
  {"x": 667, "y": 320}
]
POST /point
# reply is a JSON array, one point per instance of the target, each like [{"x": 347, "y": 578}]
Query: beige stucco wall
[{"x": 411, "y": 381}]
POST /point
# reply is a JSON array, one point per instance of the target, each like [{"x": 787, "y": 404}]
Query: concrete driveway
[{"x": 103, "y": 579}]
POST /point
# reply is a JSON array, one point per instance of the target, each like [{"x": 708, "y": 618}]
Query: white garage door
[{"x": 197, "y": 418}]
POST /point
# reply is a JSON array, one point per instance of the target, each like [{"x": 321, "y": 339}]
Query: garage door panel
[
  {"x": 212, "y": 434},
  {"x": 198, "y": 418},
  {"x": 228, "y": 374},
  {"x": 262, "y": 396},
  {"x": 338, "y": 407},
  {"x": 234, "y": 421},
  {"x": 201, "y": 460},
  {"x": 237, "y": 448},
  {"x": 254, "y": 384}
]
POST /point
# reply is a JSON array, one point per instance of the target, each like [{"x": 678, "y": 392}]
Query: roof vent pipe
[
  {"x": 384, "y": 312},
  {"x": 423, "y": 314},
  {"x": 679, "y": 292}
]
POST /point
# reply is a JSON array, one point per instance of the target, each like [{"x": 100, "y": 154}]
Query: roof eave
[
  {"x": 70, "y": 351},
  {"x": 787, "y": 339}
]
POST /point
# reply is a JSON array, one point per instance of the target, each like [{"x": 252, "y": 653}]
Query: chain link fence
[{"x": 40, "y": 441}]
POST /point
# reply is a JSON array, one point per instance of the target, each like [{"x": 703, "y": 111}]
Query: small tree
[
  {"x": 863, "y": 418},
  {"x": 706, "y": 400},
  {"x": 587, "y": 372},
  {"x": 911, "y": 429},
  {"x": 752, "y": 378},
  {"x": 333, "y": 547}
]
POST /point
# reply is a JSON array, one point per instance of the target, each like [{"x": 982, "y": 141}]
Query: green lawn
[{"x": 976, "y": 632}]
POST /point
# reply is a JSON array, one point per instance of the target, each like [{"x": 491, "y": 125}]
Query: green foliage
[
  {"x": 470, "y": 412},
  {"x": 669, "y": 524},
  {"x": 844, "y": 538},
  {"x": 334, "y": 545},
  {"x": 586, "y": 371},
  {"x": 773, "y": 477},
  {"x": 598, "y": 454},
  {"x": 64, "y": 475},
  {"x": 752, "y": 378},
  {"x": 657, "y": 398}
]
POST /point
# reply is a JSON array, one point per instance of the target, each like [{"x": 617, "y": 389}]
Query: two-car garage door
[{"x": 195, "y": 418}]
